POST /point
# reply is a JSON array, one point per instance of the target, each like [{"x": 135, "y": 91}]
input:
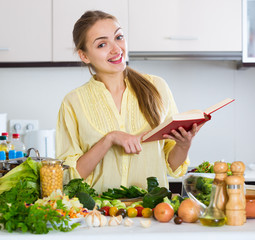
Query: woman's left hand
[{"x": 183, "y": 138}]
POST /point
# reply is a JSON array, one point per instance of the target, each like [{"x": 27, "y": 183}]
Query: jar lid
[
  {"x": 15, "y": 135},
  {"x": 2, "y": 137},
  {"x": 51, "y": 161}
]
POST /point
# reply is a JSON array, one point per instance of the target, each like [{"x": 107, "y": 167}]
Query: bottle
[
  {"x": 12, "y": 154},
  {"x": 234, "y": 206},
  {"x": 9, "y": 143},
  {"x": 214, "y": 213},
  {"x": 4, "y": 146},
  {"x": 2, "y": 158},
  {"x": 19, "y": 154},
  {"x": 213, "y": 216},
  {"x": 17, "y": 143},
  {"x": 237, "y": 169}
]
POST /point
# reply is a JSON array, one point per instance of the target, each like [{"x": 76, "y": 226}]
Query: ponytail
[{"x": 149, "y": 99}]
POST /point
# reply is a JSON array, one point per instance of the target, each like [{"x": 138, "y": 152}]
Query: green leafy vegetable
[
  {"x": 28, "y": 170},
  {"x": 152, "y": 182},
  {"x": 175, "y": 202},
  {"x": 78, "y": 185},
  {"x": 156, "y": 196},
  {"x": 205, "y": 167},
  {"x": 87, "y": 201},
  {"x": 124, "y": 192}
]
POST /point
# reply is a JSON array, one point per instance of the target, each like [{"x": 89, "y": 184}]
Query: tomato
[
  {"x": 147, "y": 212},
  {"x": 106, "y": 209},
  {"x": 113, "y": 210},
  {"x": 132, "y": 212},
  {"x": 122, "y": 212},
  {"x": 139, "y": 211}
]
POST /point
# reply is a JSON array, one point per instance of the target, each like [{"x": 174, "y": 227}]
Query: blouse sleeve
[
  {"x": 170, "y": 109},
  {"x": 67, "y": 141}
]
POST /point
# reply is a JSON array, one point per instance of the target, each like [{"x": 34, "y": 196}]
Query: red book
[{"x": 185, "y": 120}]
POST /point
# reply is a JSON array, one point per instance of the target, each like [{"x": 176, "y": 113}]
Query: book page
[
  {"x": 195, "y": 113},
  {"x": 218, "y": 105}
]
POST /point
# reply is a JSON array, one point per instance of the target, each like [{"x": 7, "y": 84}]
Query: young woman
[{"x": 100, "y": 124}]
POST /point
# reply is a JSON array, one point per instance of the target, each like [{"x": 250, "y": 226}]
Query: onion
[
  {"x": 163, "y": 212},
  {"x": 189, "y": 211}
]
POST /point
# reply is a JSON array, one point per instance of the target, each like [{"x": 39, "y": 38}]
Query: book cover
[{"x": 185, "y": 120}]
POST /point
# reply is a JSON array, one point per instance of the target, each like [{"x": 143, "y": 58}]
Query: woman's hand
[
  {"x": 183, "y": 141},
  {"x": 130, "y": 143},
  {"x": 183, "y": 138}
]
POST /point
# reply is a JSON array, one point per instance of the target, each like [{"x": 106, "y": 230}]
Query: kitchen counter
[{"x": 191, "y": 231}]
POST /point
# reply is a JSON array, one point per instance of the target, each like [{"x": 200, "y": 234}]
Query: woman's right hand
[{"x": 130, "y": 143}]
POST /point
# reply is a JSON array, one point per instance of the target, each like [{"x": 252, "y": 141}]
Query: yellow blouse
[{"x": 89, "y": 112}]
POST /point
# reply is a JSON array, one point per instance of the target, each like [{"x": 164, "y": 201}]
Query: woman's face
[{"x": 106, "y": 47}]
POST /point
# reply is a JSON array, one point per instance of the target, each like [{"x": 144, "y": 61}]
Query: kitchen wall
[{"x": 36, "y": 93}]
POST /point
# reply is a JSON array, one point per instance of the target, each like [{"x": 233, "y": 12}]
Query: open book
[{"x": 185, "y": 120}]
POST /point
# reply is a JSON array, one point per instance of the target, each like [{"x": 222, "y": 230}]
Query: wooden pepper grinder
[
  {"x": 237, "y": 169},
  {"x": 234, "y": 206},
  {"x": 220, "y": 169}
]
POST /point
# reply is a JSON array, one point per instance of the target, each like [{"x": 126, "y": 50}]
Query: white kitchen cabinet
[
  {"x": 66, "y": 13},
  {"x": 249, "y": 31},
  {"x": 25, "y": 30},
  {"x": 185, "y": 25}
]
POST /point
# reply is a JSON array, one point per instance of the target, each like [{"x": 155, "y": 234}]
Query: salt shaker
[{"x": 234, "y": 206}]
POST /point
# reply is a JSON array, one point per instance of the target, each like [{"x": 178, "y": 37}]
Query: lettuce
[{"x": 29, "y": 170}]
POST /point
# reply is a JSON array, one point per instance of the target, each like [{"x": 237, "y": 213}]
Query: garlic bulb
[
  {"x": 128, "y": 222},
  {"x": 103, "y": 220},
  {"x": 146, "y": 223},
  {"x": 114, "y": 221},
  {"x": 95, "y": 219}
]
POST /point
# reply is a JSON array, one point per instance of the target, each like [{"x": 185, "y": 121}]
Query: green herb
[
  {"x": 25, "y": 191},
  {"x": 78, "y": 185},
  {"x": 34, "y": 218}
]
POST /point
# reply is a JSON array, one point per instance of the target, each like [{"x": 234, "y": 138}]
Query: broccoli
[
  {"x": 204, "y": 185},
  {"x": 207, "y": 188},
  {"x": 199, "y": 184},
  {"x": 204, "y": 198},
  {"x": 175, "y": 202}
]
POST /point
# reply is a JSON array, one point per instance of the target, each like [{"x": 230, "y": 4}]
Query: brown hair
[{"x": 149, "y": 99}]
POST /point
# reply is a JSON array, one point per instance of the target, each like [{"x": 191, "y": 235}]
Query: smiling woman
[{"x": 100, "y": 124}]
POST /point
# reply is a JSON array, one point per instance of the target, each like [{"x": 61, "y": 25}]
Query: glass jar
[{"x": 51, "y": 176}]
